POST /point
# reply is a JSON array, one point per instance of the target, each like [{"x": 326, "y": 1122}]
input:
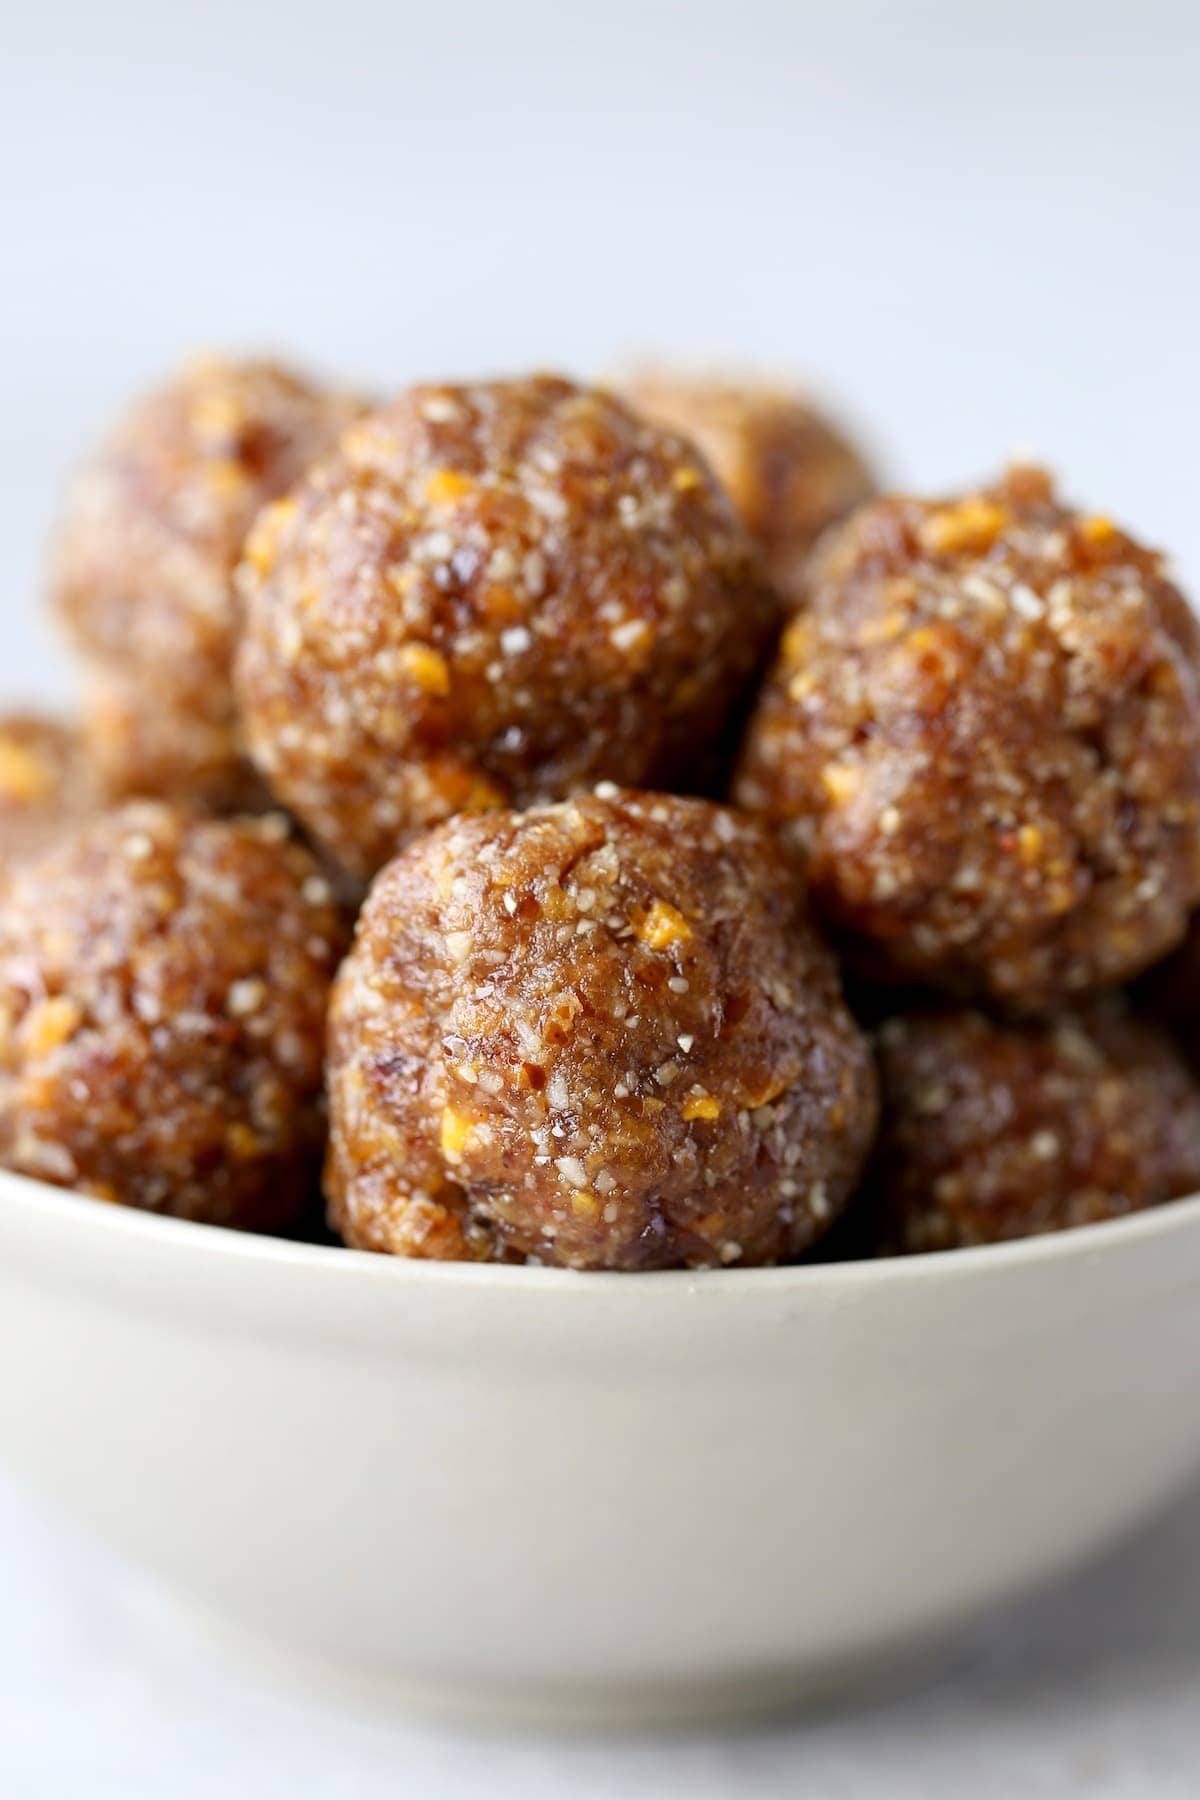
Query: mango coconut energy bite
[
  {"x": 982, "y": 740},
  {"x": 493, "y": 595},
  {"x": 163, "y": 987},
  {"x": 790, "y": 470},
  {"x": 142, "y": 572},
  {"x": 46, "y": 783},
  {"x": 599, "y": 1034},
  {"x": 994, "y": 1131}
]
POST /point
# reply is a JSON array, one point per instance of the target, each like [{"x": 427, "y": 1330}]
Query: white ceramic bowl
[{"x": 608, "y": 1497}]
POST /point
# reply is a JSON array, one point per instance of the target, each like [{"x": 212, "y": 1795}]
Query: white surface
[{"x": 976, "y": 224}]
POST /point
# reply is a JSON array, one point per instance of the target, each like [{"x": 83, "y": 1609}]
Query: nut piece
[
  {"x": 1003, "y": 1131},
  {"x": 788, "y": 469},
  {"x": 143, "y": 564},
  {"x": 518, "y": 1067},
  {"x": 163, "y": 983},
  {"x": 493, "y": 594},
  {"x": 983, "y": 740}
]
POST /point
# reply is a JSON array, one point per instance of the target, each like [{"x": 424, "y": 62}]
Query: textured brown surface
[
  {"x": 144, "y": 557},
  {"x": 1003, "y": 1131},
  {"x": 45, "y": 783},
  {"x": 492, "y": 594},
  {"x": 181, "y": 751},
  {"x": 983, "y": 739},
  {"x": 788, "y": 469},
  {"x": 600, "y": 1034},
  {"x": 163, "y": 987}
]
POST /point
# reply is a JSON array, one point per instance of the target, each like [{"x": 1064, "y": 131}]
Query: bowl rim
[{"x": 66, "y": 1210}]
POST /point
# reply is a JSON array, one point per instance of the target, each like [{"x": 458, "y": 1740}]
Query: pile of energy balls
[{"x": 536, "y": 823}]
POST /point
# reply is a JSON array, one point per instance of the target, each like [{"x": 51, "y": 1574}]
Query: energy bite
[
  {"x": 983, "y": 740},
  {"x": 142, "y": 573},
  {"x": 789, "y": 470},
  {"x": 184, "y": 752},
  {"x": 45, "y": 783},
  {"x": 598, "y": 1034},
  {"x": 994, "y": 1131},
  {"x": 163, "y": 987},
  {"x": 492, "y": 595}
]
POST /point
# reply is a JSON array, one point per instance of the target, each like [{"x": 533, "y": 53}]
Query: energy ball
[
  {"x": 983, "y": 740},
  {"x": 163, "y": 987},
  {"x": 492, "y": 595},
  {"x": 598, "y": 1034},
  {"x": 186, "y": 753},
  {"x": 788, "y": 469},
  {"x": 142, "y": 574},
  {"x": 45, "y": 783},
  {"x": 994, "y": 1131}
]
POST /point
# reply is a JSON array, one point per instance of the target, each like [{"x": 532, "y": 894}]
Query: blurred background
[{"x": 975, "y": 228}]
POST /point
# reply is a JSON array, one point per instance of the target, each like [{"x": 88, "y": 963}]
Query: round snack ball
[
  {"x": 994, "y": 1131},
  {"x": 46, "y": 784},
  {"x": 788, "y": 469},
  {"x": 983, "y": 738},
  {"x": 492, "y": 595},
  {"x": 163, "y": 987},
  {"x": 182, "y": 752},
  {"x": 599, "y": 1034},
  {"x": 142, "y": 574}
]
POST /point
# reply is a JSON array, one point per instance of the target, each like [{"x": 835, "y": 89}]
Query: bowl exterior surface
[{"x": 619, "y": 1498}]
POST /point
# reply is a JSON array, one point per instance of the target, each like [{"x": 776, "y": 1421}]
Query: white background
[{"x": 977, "y": 226}]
